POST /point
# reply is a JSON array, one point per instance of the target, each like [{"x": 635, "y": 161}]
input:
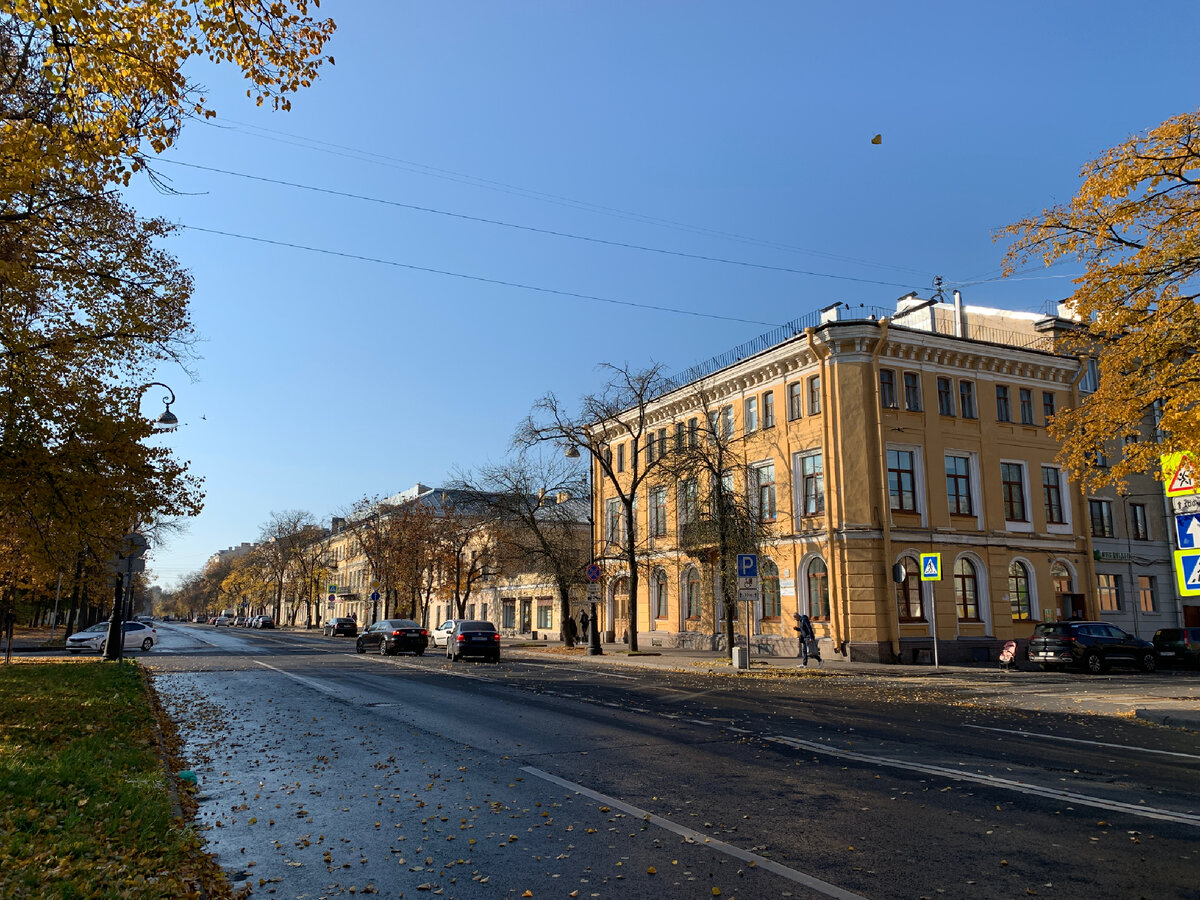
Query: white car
[
  {"x": 223, "y": 620},
  {"x": 442, "y": 633},
  {"x": 137, "y": 636}
]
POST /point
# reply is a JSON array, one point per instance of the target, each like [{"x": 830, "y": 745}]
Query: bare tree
[
  {"x": 467, "y": 543},
  {"x": 618, "y": 412},
  {"x": 540, "y": 503},
  {"x": 276, "y": 549}
]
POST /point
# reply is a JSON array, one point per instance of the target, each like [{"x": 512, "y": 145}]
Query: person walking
[
  {"x": 583, "y": 625},
  {"x": 808, "y": 639}
]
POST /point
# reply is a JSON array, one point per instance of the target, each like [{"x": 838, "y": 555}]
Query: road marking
[
  {"x": 1008, "y": 784},
  {"x": 559, "y": 669},
  {"x": 1055, "y": 737},
  {"x": 310, "y": 682},
  {"x": 760, "y": 862}
]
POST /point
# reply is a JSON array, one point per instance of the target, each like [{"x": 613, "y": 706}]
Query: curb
[{"x": 1170, "y": 718}]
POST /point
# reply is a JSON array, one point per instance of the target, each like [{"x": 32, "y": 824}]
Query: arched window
[
  {"x": 1061, "y": 576},
  {"x": 658, "y": 591},
  {"x": 908, "y": 592},
  {"x": 818, "y": 589},
  {"x": 1018, "y": 591},
  {"x": 768, "y": 574},
  {"x": 691, "y": 592},
  {"x": 966, "y": 590}
]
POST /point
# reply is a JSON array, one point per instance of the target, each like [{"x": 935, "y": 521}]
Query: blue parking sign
[{"x": 747, "y": 565}]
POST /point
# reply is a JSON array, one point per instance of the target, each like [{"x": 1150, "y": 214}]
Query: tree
[
  {"x": 1135, "y": 225},
  {"x": 616, "y": 413},
  {"x": 466, "y": 546},
  {"x": 538, "y": 504},
  {"x": 278, "y": 543},
  {"x": 309, "y": 568},
  {"x": 717, "y": 520}
]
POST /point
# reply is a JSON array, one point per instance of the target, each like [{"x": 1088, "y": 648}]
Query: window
[
  {"x": 966, "y": 591},
  {"x": 768, "y": 409},
  {"x": 1003, "y": 412},
  {"x": 650, "y": 447},
  {"x": 1137, "y": 522},
  {"x": 966, "y": 399},
  {"x": 693, "y": 430},
  {"x": 760, "y": 488},
  {"x": 908, "y": 592},
  {"x": 545, "y": 612},
  {"x": 1091, "y": 378},
  {"x": 714, "y": 421},
  {"x": 662, "y": 442},
  {"x": 945, "y": 397},
  {"x": 689, "y": 494},
  {"x": 613, "y": 521},
  {"x": 659, "y": 589},
  {"x": 658, "y": 512},
  {"x": 902, "y": 480},
  {"x": 727, "y": 422},
  {"x": 1012, "y": 481},
  {"x": 621, "y": 457},
  {"x": 768, "y": 574},
  {"x": 680, "y": 439},
  {"x": 1018, "y": 591},
  {"x": 1061, "y": 577},
  {"x": 750, "y": 414},
  {"x": 1100, "y": 512},
  {"x": 818, "y": 589},
  {"x": 1108, "y": 592},
  {"x": 887, "y": 389},
  {"x": 508, "y": 613},
  {"x": 912, "y": 391},
  {"x": 814, "y": 395},
  {"x": 1147, "y": 600},
  {"x": 1048, "y": 405},
  {"x": 812, "y": 485},
  {"x": 795, "y": 395},
  {"x": 691, "y": 592},
  {"x": 958, "y": 485},
  {"x": 1026, "y": 396},
  {"x": 1052, "y": 495}
]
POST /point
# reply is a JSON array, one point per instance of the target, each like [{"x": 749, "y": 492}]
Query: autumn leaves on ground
[{"x": 88, "y": 807}]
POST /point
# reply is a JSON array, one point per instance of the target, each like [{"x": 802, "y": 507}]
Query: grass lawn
[{"x": 86, "y": 809}]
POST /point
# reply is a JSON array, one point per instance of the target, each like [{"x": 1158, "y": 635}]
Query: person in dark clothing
[
  {"x": 583, "y": 623},
  {"x": 808, "y": 639}
]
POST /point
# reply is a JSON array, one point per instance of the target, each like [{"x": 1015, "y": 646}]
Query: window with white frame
[
  {"x": 966, "y": 590},
  {"x": 750, "y": 414},
  {"x": 1018, "y": 591},
  {"x": 693, "y": 431},
  {"x": 613, "y": 521},
  {"x": 912, "y": 391},
  {"x": 958, "y": 485},
  {"x": 945, "y": 388},
  {"x": 1108, "y": 592},
  {"x": 1012, "y": 486},
  {"x": 1052, "y": 495},
  {"x": 691, "y": 592},
  {"x": 887, "y": 389},
  {"x": 658, "y": 511},
  {"x": 902, "y": 475},
  {"x": 658, "y": 586},
  {"x": 816, "y": 578},
  {"x": 1100, "y": 513},
  {"x": 908, "y": 592},
  {"x": 768, "y": 409},
  {"x": 795, "y": 400},
  {"x": 761, "y": 490},
  {"x": 689, "y": 499},
  {"x": 814, "y": 395},
  {"x": 1139, "y": 529},
  {"x": 810, "y": 484},
  {"x": 768, "y": 575},
  {"x": 727, "y": 421}
]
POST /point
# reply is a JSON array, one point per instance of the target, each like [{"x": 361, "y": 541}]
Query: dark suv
[
  {"x": 1093, "y": 645},
  {"x": 1178, "y": 646},
  {"x": 334, "y": 627}
]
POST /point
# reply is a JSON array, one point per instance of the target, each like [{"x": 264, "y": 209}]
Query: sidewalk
[{"x": 1169, "y": 698}]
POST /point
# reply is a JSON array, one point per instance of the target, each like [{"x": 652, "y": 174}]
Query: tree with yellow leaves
[{"x": 1135, "y": 225}]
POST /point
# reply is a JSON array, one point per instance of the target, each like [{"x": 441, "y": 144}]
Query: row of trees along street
[{"x": 91, "y": 307}]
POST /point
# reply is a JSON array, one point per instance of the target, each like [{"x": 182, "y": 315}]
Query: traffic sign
[
  {"x": 1187, "y": 531},
  {"x": 593, "y": 572},
  {"x": 332, "y": 590},
  {"x": 332, "y": 597},
  {"x": 1187, "y": 572},
  {"x": 374, "y": 585},
  {"x": 747, "y": 565},
  {"x": 931, "y": 567},
  {"x": 747, "y": 582},
  {"x": 1184, "y": 505},
  {"x": 374, "y": 596},
  {"x": 745, "y": 596},
  {"x": 593, "y": 592},
  {"x": 1179, "y": 474}
]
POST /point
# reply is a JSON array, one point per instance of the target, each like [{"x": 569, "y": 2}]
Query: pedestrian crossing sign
[
  {"x": 1187, "y": 572},
  {"x": 1179, "y": 474},
  {"x": 931, "y": 567}
]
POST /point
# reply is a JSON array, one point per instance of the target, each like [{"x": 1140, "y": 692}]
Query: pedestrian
[
  {"x": 572, "y": 634},
  {"x": 808, "y": 639},
  {"x": 583, "y": 624}
]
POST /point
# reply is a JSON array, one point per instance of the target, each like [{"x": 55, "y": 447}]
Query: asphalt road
[{"x": 324, "y": 773}]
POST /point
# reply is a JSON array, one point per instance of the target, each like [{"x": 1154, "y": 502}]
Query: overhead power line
[
  {"x": 534, "y": 229},
  {"x": 478, "y": 278}
]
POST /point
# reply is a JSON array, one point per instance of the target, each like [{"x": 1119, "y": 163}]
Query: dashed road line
[{"x": 1056, "y": 737}]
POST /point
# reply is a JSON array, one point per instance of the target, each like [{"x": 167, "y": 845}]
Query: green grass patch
[{"x": 85, "y": 808}]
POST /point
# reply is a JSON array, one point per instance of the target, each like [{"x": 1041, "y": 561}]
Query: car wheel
[
  {"x": 1094, "y": 663},
  {"x": 1148, "y": 662},
  {"x": 103, "y": 644},
  {"x": 147, "y": 644},
  {"x": 359, "y": 648}
]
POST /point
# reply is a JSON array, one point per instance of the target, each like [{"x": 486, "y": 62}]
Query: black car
[
  {"x": 338, "y": 626},
  {"x": 473, "y": 638},
  {"x": 392, "y": 636},
  {"x": 1093, "y": 645},
  {"x": 1178, "y": 646}
]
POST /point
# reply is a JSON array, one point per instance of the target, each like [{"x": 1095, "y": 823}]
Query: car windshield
[{"x": 97, "y": 628}]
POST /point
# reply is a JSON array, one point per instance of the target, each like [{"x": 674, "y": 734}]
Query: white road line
[
  {"x": 760, "y": 862},
  {"x": 1055, "y": 737},
  {"x": 309, "y": 682},
  {"x": 1008, "y": 784},
  {"x": 559, "y": 669}
]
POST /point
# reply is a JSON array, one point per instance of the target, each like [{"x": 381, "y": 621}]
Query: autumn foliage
[{"x": 1135, "y": 227}]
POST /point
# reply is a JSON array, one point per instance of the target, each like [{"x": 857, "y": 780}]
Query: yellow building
[{"x": 867, "y": 441}]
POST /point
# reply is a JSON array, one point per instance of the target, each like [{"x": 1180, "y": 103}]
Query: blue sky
[{"x": 731, "y": 131}]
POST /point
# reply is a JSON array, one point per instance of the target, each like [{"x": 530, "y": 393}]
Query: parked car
[
  {"x": 241, "y": 621},
  {"x": 137, "y": 635},
  {"x": 441, "y": 634},
  {"x": 392, "y": 636},
  {"x": 1178, "y": 646},
  {"x": 338, "y": 626},
  {"x": 264, "y": 622},
  {"x": 222, "y": 620},
  {"x": 1092, "y": 645},
  {"x": 473, "y": 638}
]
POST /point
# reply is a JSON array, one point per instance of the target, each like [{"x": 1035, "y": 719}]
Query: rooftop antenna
[{"x": 937, "y": 288}]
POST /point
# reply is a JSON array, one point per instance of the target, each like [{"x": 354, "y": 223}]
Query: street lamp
[
  {"x": 167, "y": 420},
  {"x": 594, "y": 648}
]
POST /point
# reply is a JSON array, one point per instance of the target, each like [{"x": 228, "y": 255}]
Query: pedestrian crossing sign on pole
[
  {"x": 931, "y": 567},
  {"x": 1179, "y": 474},
  {"x": 1187, "y": 572}
]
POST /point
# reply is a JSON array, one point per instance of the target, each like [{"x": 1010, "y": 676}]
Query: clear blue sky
[{"x": 732, "y": 130}]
